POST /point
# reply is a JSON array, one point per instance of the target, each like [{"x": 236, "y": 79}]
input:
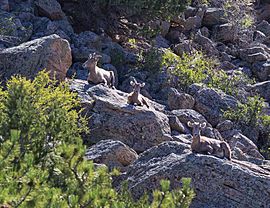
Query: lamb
[
  {"x": 205, "y": 145},
  {"x": 135, "y": 97},
  {"x": 96, "y": 74}
]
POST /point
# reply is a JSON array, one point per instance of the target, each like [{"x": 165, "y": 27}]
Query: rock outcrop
[
  {"x": 211, "y": 104},
  {"x": 112, "y": 118},
  {"x": 217, "y": 182},
  {"x": 51, "y": 53},
  {"x": 114, "y": 154}
]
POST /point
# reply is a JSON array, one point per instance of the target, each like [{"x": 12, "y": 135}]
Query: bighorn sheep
[
  {"x": 205, "y": 145},
  {"x": 98, "y": 75},
  {"x": 135, "y": 97}
]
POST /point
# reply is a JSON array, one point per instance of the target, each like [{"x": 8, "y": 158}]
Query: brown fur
[
  {"x": 205, "y": 145},
  {"x": 96, "y": 74},
  {"x": 135, "y": 97}
]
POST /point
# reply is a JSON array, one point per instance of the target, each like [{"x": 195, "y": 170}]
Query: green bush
[
  {"x": 251, "y": 114},
  {"x": 42, "y": 156},
  {"x": 247, "y": 114},
  {"x": 229, "y": 84},
  {"x": 189, "y": 68},
  {"x": 197, "y": 68}
]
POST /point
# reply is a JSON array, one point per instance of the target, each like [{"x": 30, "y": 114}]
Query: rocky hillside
[{"x": 209, "y": 63}]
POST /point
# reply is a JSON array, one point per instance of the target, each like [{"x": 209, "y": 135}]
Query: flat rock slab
[
  {"x": 217, "y": 182},
  {"x": 112, "y": 118}
]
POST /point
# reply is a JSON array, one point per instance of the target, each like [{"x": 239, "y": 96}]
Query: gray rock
[
  {"x": 10, "y": 25},
  {"x": 183, "y": 138},
  {"x": 205, "y": 32},
  {"x": 49, "y": 8},
  {"x": 261, "y": 70},
  {"x": 259, "y": 36},
  {"x": 225, "y": 33},
  {"x": 227, "y": 66},
  {"x": 116, "y": 52},
  {"x": 178, "y": 100},
  {"x": 206, "y": 44},
  {"x": 192, "y": 23},
  {"x": 161, "y": 42},
  {"x": 263, "y": 88},
  {"x": 175, "y": 124},
  {"x": 255, "y": 53},
  {"x": 183, "y": 47},
  {"x": 217, "y": 182},
  {"x": 225, "y": 57},
  {"x": 264, "y": 27},
  {"x": 242, "y": 147},
  {"x": 85, "y": 43},
  {"x": 225, "y": 126},
  {"x": 77, "y": 71},
  {"x": 114, "y": 154},
  {"x": 112, "y": 118},
  {"x": 110, "y": 67},
  {"x": 9, "y": 41},
  {"x": 165, "y": 27},
  {"x": 185, "y": 115},
  {"x": 263, "y": 13},
  {"x": 51, "y": 53},
  {"x": 211, "y": 103},
  {"x": 214, "y": 16},
  {"x": 44, "y": 27},
  {"x": 4, "y": 5}
]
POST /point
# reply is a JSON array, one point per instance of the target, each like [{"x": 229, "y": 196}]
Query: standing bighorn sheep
[
  {"x": 135, "y": 97},
  {"x": 98, "y": 75},
  {"x": 205, "y": 145}
]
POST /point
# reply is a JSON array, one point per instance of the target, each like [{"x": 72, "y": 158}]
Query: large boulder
[
  {"x": 49, "y": 8},
  {"x": 261, "y": 70},
  {"x": 264, "y": 27},
  {"x": 214, "y": 16},
  {"x": 263, "y": 13},
  {"x": 211, "y": 104},
  {"x": 254, "y": 54},
  {"x": 85, "y": 43},
  {"x": 185, "y": 115},
  {"x": 216, "y": 182},
  {"x": 112, "y": 118},
  {"x": 114, "y": 154},
  {"x": 225, "y": 32},
  {"x": 51, "y": 53},
  {"x": 177, "y": 100},
  {"x": 242, "y": 147},
  {"x": 206, "y": 44},
  {"x": 43, "y": 26},
  {"x": 263, "y": 88}
]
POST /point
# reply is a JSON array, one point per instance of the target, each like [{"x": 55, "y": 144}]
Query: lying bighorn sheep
[
  {"x": 98, "y": 75},
  {"x": 205, "y": 145},
  {"x": 135, "y": 97}
]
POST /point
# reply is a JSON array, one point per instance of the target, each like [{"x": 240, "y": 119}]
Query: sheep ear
[
  {"x": 203, "y": 125},
  {"x": 132, "y": 83},
  {"x": 98, "y": 56},
  {"x": 190, "y": 124},
  {"x": 142, "y": 85}
]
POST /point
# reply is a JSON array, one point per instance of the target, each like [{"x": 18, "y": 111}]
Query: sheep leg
[
  {"x": 104, "y": 81},
  {"x": 209, "y": 150},
  {"x": 145, "y": 103}
]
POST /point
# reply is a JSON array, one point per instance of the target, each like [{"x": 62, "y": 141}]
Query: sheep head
[
  {"x": 136, "y": 86},
  {"x": 196, "y": 127},
  {"x": 92, "y": 60}
]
